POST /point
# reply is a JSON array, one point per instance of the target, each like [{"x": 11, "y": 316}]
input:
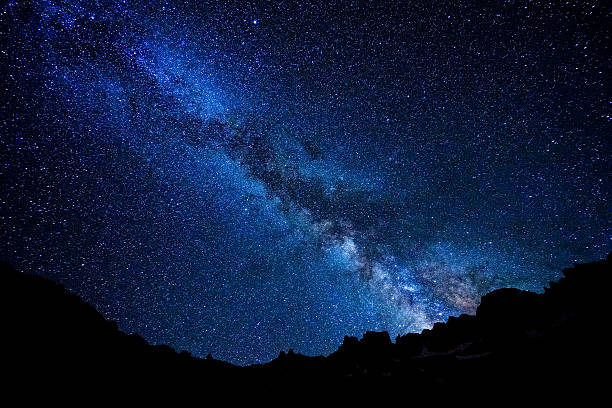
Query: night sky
[{"x": 240, "y": 179}]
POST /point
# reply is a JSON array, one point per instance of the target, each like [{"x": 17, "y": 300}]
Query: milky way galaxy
[{"x": 240, "y": 178}]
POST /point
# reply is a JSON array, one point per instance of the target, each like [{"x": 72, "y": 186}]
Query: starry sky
[{"x": 240, "y": 178}]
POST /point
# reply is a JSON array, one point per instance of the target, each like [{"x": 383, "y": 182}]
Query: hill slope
[{"x": 515, "y": 338}]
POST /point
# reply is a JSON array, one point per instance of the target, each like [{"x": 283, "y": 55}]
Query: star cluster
[{"x": 240, "y": 178}]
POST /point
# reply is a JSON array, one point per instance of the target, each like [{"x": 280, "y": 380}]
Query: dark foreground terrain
[{"x": 517, "y": 338}]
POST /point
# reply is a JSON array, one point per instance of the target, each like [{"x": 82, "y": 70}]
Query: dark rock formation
[
  {"x": 516, "y": 338},
  {"x": 50, "y": 334}
]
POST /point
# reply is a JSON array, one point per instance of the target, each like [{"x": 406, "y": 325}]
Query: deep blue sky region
[{"x": 240, "y": 178}]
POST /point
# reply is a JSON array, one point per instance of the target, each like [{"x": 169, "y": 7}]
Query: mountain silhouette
[{"x": 516, "y": 338}]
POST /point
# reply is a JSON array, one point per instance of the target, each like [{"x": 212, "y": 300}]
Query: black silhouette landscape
[{"x": 516, "y": 338}]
